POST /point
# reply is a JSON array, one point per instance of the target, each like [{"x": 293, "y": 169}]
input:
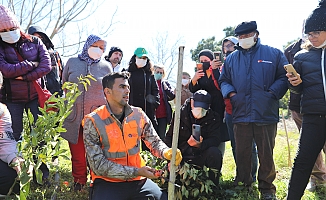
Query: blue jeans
[
  {"x": 144, "y": 189},
  {"x": 161, "y": 128},
  {"x": 254, "y": 157},
  {"x": 16, "y": 110}
]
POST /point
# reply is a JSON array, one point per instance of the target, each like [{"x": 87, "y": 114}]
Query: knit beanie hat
[
  {"x": 206, "y": 52},
  {"x": 7, "y": 18},
  {"x": 112, "y": 50},
  {"x": 317, "y": 19}
]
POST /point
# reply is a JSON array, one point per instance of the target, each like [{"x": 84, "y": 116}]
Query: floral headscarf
[{"x": 84, "y": 55}]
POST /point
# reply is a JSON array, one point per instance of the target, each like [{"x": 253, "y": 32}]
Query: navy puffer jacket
[
  {"x": 257, "y": 76},
  {"x": 14, "y": 90},
  {"x": 308, "y": 65}
]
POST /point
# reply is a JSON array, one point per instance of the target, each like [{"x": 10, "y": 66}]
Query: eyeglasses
[
  {"x": 314, "y": 34},
  {"x": 159, "y": 72},
  {"x": 228, "y": 46}
]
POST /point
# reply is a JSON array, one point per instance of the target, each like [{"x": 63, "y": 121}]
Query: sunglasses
[{"x": 159, "y": 72}]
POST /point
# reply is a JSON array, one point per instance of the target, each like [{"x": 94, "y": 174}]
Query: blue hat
[
  {"x": 202, "y": 99},
  {"x": 245, "y": 28}
]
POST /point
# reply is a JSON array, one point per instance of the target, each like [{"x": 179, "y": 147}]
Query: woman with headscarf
[{"x": 89, "y": 62}]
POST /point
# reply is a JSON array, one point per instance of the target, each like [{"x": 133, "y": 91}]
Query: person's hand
[
  {"x": 232, "y": 94},
  {"x": 147, "y": 172},
  {"x": 36, "y": 64},
  {"x": 197, "y": 76},
  {"x": 193, "y": 142},
  {"x": 293, "y": 79},
  {"x": 168, "y": 155},
  {"x": 19, "y": 78},
  {"x": 216, "y": 64},
  {"x": 16, "y": 164}
]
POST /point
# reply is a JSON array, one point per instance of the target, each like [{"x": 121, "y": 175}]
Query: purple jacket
[{"x": 32, "y": 51}]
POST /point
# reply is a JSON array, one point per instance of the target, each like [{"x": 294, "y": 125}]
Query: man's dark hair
[{"x": 108, "y": 80}]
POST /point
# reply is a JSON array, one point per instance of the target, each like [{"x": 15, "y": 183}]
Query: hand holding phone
[
  {"x": 290, "y": 69},
  {"x": 217, "y": 55},
  {"x": 196, "y": 131}
]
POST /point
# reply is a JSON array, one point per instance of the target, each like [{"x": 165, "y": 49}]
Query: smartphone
[
  {"x": 290, "y": 69},
  {"x": 196, "y": 131},
  {"x": 217, "y": 55}
]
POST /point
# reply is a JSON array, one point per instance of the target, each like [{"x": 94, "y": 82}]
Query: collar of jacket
[
  {"x": 253, "y": 48},
  {"x": 127, "y": 109}
]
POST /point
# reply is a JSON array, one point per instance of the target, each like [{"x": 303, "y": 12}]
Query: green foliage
[
  {"x": 210, "y": 43},
  {"x": 284, "y": 102},
  {"x": 41, "y": 141}
]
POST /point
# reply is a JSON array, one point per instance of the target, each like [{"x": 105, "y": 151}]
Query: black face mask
[
  {"x": 206, "y": 65},
  {"x": 228, "y": 53}
]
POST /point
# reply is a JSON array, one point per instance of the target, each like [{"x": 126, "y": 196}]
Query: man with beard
[
  {"x": 112, "y": 135},
  {"x": 114, "y": 58}
]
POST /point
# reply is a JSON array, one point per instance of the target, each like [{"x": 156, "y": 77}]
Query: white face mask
[
  {"x": 247, "y": 42},
  {"x": 95, "y": 52},
  {"x": 11, "y": 36},
  {"x": 198, "y": 112},
  {"x": 322, "y": 45},
  {"x": 185, "y": 81},
  {"x": 141, "y": 62}
]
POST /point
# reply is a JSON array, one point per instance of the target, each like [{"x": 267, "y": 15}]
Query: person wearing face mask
[
  {"x": 23, "y": 59},
  {"x": 53, "y": 79},
  {"x": 310, "y": 64},
  {"x": 206, "y": 79},
  {"x": 88, "y": 62},
  {"x": 166, "y": 92},
  {"x": 144, "y": 91},
  {"x": 185, "y": 92},
  {"x": 114, "y": 58},
  {"x": 254, "y": 80},
  {"x": 228, "y": 45},
  {"x": 205, "y": 152}
]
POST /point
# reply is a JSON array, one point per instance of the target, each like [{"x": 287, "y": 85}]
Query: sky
[{"x": 139, "y": 22}]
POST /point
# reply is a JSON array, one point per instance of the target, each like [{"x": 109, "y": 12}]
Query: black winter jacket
[
  {"x": 289, "y": 52},
  {"x": 144, "y": 91},
  {"x": 308, "y": 65},
  {"x": 209, "y": 131}
]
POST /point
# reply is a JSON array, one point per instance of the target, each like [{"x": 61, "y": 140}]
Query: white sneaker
[{"x": 311, "y": 186}]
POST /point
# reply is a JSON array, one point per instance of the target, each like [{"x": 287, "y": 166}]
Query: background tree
[
  {"x": 165, "y": 51},
  {"x": 210, "y": 43},
  {"x": 55, "y": 16}
]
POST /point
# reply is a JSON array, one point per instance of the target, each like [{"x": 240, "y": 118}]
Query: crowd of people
[{"x": 128, "y": 109}]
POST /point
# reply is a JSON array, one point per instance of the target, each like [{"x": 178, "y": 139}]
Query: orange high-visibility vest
[{"x": 120, "y": 144}]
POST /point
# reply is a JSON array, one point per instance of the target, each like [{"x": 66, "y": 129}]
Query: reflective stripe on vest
[{"x": 120, "y": 142}]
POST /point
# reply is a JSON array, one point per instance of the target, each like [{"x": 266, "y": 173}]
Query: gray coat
[{"x": 89, "y": 100}]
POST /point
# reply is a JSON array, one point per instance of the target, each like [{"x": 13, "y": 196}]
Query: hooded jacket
[
  {"x": 257, "y": 76},
  {"x": 14, "y": 90}
]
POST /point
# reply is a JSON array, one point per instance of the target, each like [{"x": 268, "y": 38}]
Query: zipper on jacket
[{"x": 145, "y": 89}]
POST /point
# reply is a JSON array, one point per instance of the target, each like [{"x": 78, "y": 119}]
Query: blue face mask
[{"x": 158, "y": 76}]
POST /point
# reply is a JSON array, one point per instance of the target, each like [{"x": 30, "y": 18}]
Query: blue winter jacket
[{"x": 257, "y": 76}]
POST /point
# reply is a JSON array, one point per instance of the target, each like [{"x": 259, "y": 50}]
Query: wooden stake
[
  {"x": 287, "y": 139},
  {"x": 176, "y": 125}
]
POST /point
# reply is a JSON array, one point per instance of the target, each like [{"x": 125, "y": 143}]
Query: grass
[{"x": 228, "y": 173}]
